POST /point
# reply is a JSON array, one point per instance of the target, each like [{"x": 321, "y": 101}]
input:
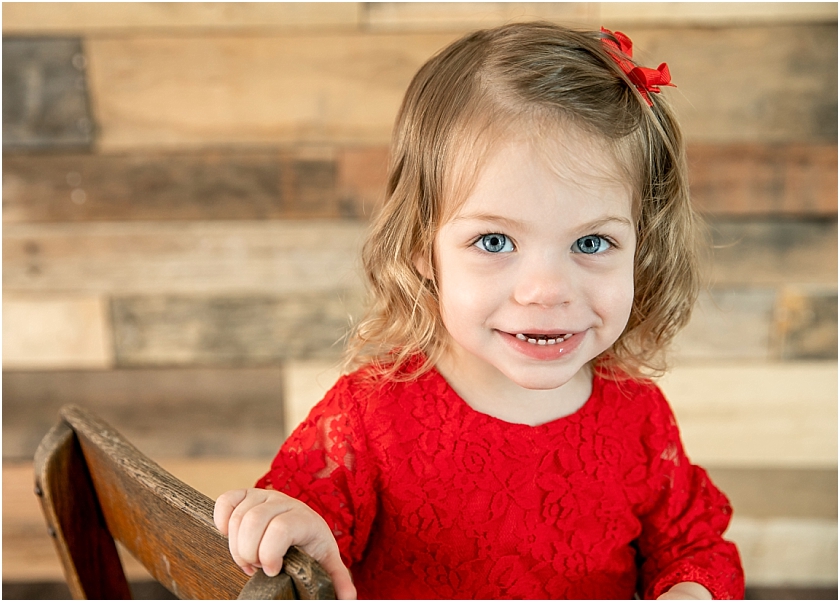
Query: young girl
[{"x": 500, "y": 440}]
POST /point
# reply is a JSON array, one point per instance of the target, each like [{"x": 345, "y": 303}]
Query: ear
[{"x": 421, "y": 263}]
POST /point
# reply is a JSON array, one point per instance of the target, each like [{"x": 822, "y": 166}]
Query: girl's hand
[
  {"x": 687, "y": 590},
  {"x": 261, "y": 524}
]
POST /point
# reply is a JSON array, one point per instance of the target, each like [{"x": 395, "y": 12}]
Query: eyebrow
[{"x": 513, "y": 223}]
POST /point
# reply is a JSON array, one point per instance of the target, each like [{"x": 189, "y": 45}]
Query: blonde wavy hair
[{"x": 473, "y": 92}]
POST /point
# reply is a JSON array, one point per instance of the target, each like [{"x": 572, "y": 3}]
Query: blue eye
[
  {"x": 591, "y": 244},
  {"x": 495, "y": 243}
]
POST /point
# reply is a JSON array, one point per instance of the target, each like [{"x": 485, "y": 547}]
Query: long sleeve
[
  {"x": 684, "y": 520},
  {"x": 323, "y": 464}
]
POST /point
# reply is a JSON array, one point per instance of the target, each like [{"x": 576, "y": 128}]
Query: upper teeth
[{"x": 542, "y": 340}]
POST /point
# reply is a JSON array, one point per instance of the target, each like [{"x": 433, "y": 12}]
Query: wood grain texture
[
  {"x": 761, "y": 179},
  {"x": 188, "y": 412},
  {"x": 790, "y": 180},
  {"x": 278, "y": 257},
  {"x": 761, "y": 414},
  {"x": 199, "y": 186},
  {"x": 808, "y": 324},
  {"x": 466, "y": 16},
  {"x": 193, "y": 91},
  {"x": 721, "y": 14},
  {"x": 45, "y": 97},
  {"x": 117, "y": 18},
  {"x": 239, "y": 331},
  {"x": 765, "y": 251},
  {"x": 748, "y": 84},
  {"x": 52, "y": 331}
]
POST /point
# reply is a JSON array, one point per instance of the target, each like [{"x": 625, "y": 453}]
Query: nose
[{"x": 545, "y": 281}]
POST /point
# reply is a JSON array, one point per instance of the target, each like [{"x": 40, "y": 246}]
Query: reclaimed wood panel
[
  {"x": 729, "y": 323},
  {"x": 198, "y": 186},
  {"x": 748, "y": 84},
  {"x": 192, "y": 91},
  {"x": 748, "y": 179},
  {"x": 128, "y": 17},
  {"x": 189, "y": 330},
  {"x": 778, "y": 552},
  {"x": 808, "y": 324},
  {"x": 58, "y": 331},
  {"x": 466, "y": 16},
  {"x": 224, "y": 412},
  {"x": 45, "y": 97},
  {"x": 790, "y": 180},
  {"x": 726, "y": 14},
  {"x": 764, "y": 251},
  {"x": 762, "y": 414},
  {"x": 183, "y": 257}
]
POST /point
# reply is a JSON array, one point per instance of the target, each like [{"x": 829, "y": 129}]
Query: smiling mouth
[{"x": 543, "y": 339}]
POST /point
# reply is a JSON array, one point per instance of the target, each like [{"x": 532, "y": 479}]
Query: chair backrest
[{"x": 96, "y": 488}]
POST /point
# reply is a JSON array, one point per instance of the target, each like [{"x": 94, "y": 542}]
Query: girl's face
[{"x": 535, "y": 268}]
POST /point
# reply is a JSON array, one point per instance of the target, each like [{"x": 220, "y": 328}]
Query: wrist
[{"x": 687, "y": 590}]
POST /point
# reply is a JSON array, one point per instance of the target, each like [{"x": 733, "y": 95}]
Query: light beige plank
[
  {"x": 729, "y": 323},
  {"x": 465, "y": 16},
  {"x": 764, "y": 414},
  {"x": 119, "y": 18},
  {"x": 183, "y": 257},
  {"x": 195, "y": 91},
  {"x": 726, "y": 14},
  {"x": 55, "y": 332},
  {"x": 786, "y": 551},
  {"x": 304, "y": 385}
]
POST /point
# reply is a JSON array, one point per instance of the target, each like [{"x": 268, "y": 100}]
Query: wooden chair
[{"x": 96, "y": 488}]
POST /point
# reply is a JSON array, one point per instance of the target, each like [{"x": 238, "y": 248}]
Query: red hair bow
[{"x": 646, "y": 80}]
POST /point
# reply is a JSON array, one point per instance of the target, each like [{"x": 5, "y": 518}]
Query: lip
[{"x": 543, "y": 352}]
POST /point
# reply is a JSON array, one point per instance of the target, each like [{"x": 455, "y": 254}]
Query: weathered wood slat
[
  {"x": 216, "y": 330},
  {"x": 224, "y": 412},
  {"x": 726, "y": 179},
  {"x": 205, "y": 186},
  {"x": 748, "y": 84},
  {"x": 466, "y": 16},
  {"x": 762, "y": 414},
  {"x": 122, "y": 18},
  {"x": 191, "y": 91},
  {"x": 754, "y": 179},
  {"x": 56, "y": 331},
  {"x": 188, "y": 257},
  {"x": 724, "y": 14},
  {"x": 45, "y": 99}
]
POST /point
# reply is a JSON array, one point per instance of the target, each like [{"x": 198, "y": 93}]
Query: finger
[
  {"x": 224, "y": 507},
  {"x": 242, "y": 542},
  {"x": 257, "y": 542},
  {"x": 342, "y": 582}
]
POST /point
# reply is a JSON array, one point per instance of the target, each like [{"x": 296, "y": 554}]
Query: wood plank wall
[{"x": 185, "y": 188}]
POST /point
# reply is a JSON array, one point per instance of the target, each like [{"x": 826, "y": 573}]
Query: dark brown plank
[
  {"x": 188, "y": 412},
  {"x": 45, "y": 99},
  {"x": 750, "y": 179},
  {"x": 202, "y": 186}
]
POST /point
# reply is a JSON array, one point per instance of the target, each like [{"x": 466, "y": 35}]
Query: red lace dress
[{"x": 428, "y": 498}]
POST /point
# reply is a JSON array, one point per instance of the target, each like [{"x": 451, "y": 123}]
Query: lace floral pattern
[{"x": 428, "y": 498}]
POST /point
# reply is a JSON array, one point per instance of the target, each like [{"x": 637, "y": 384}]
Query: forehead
[{"x": 523, "y": 154}]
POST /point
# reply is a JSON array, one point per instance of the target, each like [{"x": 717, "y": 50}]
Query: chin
[{"x": 549, "y": 380}]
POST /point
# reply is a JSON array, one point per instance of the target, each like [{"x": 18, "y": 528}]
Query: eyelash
[{"x": 609, "y": 239}]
